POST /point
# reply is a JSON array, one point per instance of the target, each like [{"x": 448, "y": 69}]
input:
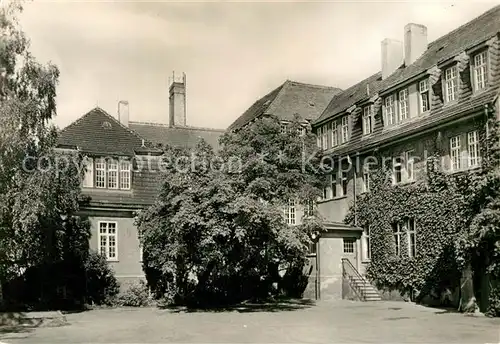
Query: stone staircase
[{"x": 363, "y": 289}]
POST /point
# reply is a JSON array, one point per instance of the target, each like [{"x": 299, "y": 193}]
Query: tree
[
  {"x": 39, "y": 187},
  {"x": 217, "y": 231}
]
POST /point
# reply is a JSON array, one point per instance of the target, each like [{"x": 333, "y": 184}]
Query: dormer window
[
  {"x": 390, "y": 112},
  {"x": 335, "y": 134},
  {"x": 423, "y": 94},
  {"x": 107, "y": 174},
  {"x": 345, "y": 129},
  {"x": 367, "y": 120},
  {"x": 479, "y": 71},
  {"x": 403, "y": 105},
  {"x": 450, "y": 84}
]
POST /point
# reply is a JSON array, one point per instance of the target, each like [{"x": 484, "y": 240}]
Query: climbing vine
[{"x": 455, "y": 215}]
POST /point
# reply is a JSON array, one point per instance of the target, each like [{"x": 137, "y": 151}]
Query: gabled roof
[
  {"x": 291, "y": 98},
  {"x": 98, "y": 132},
  {"x": 448, "y": 46},
  {"x": 176, "y": 136}
]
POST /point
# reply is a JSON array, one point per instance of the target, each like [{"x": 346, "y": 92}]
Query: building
[
  {"x": 427, "y": 97},
  {"x": 122, "y": 171}
]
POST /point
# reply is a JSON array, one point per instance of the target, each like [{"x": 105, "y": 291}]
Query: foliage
[
  {"x": 136, "y": 295},
  {"x": 494, "y": 303},
  {"x": 39, "y": 191},
  {"x": 101, "y": 284},
  {"x": 217, "y": 234}
]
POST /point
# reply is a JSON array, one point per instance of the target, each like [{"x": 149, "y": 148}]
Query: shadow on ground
[{"x": 247, "y": 307}]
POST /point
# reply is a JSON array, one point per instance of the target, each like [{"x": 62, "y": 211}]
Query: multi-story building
[
  {"x": 122, "y": 170},
  {"x": 427, "y": 98}
]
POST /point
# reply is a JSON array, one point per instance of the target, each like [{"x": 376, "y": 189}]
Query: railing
[{"x": 349, "y": 272}]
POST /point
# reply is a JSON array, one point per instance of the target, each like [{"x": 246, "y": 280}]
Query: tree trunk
[{"x": 467, "y": 298}]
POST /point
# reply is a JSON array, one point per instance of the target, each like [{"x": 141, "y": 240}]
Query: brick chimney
[
  {"x": 415, "y": 42},
  {"x": 123, "y": 112},
  {"x": 177, "y": 102},
  {"x": 392, "y": 56}
]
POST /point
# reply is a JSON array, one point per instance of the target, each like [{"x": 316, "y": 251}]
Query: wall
[{"x": 127, "y": 267}]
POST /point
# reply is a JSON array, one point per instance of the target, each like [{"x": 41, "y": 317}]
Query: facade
[
  {"x": 428, "y": 98},
  {"x": 121, "y": 173}
]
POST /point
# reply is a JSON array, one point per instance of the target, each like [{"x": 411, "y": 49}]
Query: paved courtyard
[{"x": 326, "y": 322}]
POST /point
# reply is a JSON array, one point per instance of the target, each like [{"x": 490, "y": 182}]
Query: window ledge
[
  {"x": 311, "y": 255},
  {"x": 479, "y": 92},
  {"x": 464, "y": 170},
  {"x": 332, "y": 199},
  {"x": 366, "y": 260},
  {"x": 114, "y": 260},
  {"x": 450, "y": 103}
]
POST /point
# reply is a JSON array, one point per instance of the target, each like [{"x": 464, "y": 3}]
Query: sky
[{"x": 232, "y": 52}]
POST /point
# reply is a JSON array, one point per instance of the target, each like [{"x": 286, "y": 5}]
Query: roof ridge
[
  {"x": 472, "y": 21},
  {"x": 133, "y": 132},
  {"x": 313, "y": 85},
  {"x": 176, "y": 127}
]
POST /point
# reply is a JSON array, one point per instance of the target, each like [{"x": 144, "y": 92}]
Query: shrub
[
  {"x": 494, "y": 303},
  {"x": 102, "y": 286},
  {"x": 136, "y": 295}
]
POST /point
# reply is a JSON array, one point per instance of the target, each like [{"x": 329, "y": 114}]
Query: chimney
[
  {"x": 415, "y": 42},
  {"x": 392, "y": 56},
  {"x": 123, "y": 112},
  {"x": 177, "y": 101}
]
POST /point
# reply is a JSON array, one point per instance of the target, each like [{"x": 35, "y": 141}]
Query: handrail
[{"x": 347, "y": 262}]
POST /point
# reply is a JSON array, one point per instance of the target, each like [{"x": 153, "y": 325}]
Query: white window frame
[
  {"x": 410, "y": 164},
  {"x": 451, "y": 84},
  {"x": 125, "y": 174},
  {"x": 289, "y": 212},
  {"x": 397, "y": 232},
  {"x": 88, "y": 177},
  {"x": 366, "y": 180},
  {"x": 345, "y": 128},
  {"x": 283, "y": 128},
  {"x": 112, "y": 173},
  {"x": 480, "y": 70},
  {"x": 333, "y": 185},
  {"x": 325, "y": 137},
  {"x": 404, "y": 106},
  {"x": 100, "y": 171},
  {"x": 389, "y": 110},
  {"x": 344, "y": 179},
  {"x": 335, "y": 134},
  {"x": 319, "y": 137},
  {"x": 309, "y": 208},
  {"x": 367, "y": 252},
  {"x": 348, "y": 245},
  {"x": 107, "y": 235},
  {"x": 396, "y": 162},
  {"x": 455, "y": 153},
  {"x": 473, "y": 148},
  {"x": 423, "y": 96},
  {"x": 411, "y": 234},
  {"x": 367, "y": 120},
  {"x": 302, "y": 131},
  {"x": 141, "y": 252}
]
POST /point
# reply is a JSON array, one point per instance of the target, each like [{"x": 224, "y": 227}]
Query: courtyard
[{"x": 325, "y": 322}]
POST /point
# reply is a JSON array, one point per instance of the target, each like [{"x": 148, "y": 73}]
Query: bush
[
  {"x": 102, "y": 286},
  {"x": 494, "y": 303},
  {"x": 136, "y": 295}
]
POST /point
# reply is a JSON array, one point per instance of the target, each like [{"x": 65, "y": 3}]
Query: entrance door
[{"x": 350, "y": 250}]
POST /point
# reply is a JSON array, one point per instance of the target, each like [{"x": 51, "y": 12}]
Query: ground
[{"x": 326, "y": 322}]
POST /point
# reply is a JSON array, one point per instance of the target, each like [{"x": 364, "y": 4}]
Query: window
[
  {"x": 423, "y": 88},
  {"x": 390, "y": 113},
  {"x": 349, "y": 245},
  {"x": 409, "y": 165},
  {"x": 335, "y": 134},
  {"x": 124, "y": 175},
  {"x": 403, "y": 105},
  {"x": 366, "y": 243},
  {"x": 345, "y": 129},
  {"x": 333, "y": 183},
  {"x": 397, "y": 231},
  {"x": 407, "y": 228},
  {"x": 473, "y": 148},
  {"x": 290, "y": 212},
  {"x": 88, "y": 179},
  {"x": 329, "y": 135},
  {"x": 325, "y": 137},
  {"x": 455, "y": 153},
  {"x": 112, "y": 174},
  {"x": 283, "y": 128},
  {"x": 100, "y": 173},
  {"x": 412, "y": 236},
  {"x": 397, "y": 170},
  {"x": 318, "y": 138},
  {"x": 451, "y": 84},
  {"x": 309, "y": 206},
  {"x": 108, "y": 240},
  {"x": 344, "y": 183},
  {"x": 141, "y": 253},
  {"x": 301, "y": 131},
  {"x": 312, "y": 248},
  {"x": 366, "y": 181},
  {"x": 479, "y": 71},
  {"x": 367, "y": 120}
]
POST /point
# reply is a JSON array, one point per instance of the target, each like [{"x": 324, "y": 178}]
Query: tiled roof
[
  {"x": 176, "y": 136},
  {"x": 289, "y": 99},
  {"x": 448, "y": 46},
  {"x": 98, "y": 132}
]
